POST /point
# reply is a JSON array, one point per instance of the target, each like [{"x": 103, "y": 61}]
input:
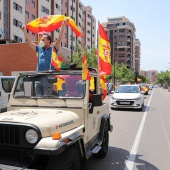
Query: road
[{"x": 140, "y": 140}]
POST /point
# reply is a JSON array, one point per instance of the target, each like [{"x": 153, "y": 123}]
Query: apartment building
[
  {"x": 121, "y": 33},
  {"x": 151, "y": 74},
  {"x": 137, "y": 55},
  {"x": 22, "y": 12}
]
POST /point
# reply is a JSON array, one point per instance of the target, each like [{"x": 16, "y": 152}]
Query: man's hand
[{"x": 23, "y": 28}]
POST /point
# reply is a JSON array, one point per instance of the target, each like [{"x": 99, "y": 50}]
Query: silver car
[{"x": 127, "y": 96}]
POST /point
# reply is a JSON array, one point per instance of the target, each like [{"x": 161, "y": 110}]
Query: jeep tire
[
  {"x": 68, "y": 160},
  {"x": 104, "y": 146}
]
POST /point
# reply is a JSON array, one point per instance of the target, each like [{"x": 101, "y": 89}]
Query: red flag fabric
[
  {"x": 56, "y": 60},
  {"x": 104, "y": 51},
  {"x": 51, "y": 23},
  {"x": 73, "y": 26},
  {"x": 85, "y": 71}
]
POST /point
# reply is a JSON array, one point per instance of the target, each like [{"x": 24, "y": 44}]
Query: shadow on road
[{"x": 115, "y": 160}]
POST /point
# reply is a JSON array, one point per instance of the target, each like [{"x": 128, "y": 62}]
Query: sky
[{"x": 152, "y": 22}]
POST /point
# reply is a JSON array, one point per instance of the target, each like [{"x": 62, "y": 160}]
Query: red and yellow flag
[
  {"x": 56, "y": 60},
  {"x": 73, "y": 26},
  {"x": 138, "y": 79},
  {"x": 85, "y": 71},
  {"x": 51, "y": 23},
  {"x": 104, "y": 51}
]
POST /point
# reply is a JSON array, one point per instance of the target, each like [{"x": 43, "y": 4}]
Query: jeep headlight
[{"x": 31, "y": 136}]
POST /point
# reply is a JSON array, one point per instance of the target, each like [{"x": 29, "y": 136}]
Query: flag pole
[{"x": 98, "y": 43}]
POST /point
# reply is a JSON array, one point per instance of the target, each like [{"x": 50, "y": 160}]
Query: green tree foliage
[
  {"x": 144, "y": 79},
  {"x": 91, "y": 57},
  {"x": 163, "y": 78}
]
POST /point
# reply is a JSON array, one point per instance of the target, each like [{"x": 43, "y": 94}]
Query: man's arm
[
  {"x": 57, "y": 42},
  {"x": 31, "y": 44}
]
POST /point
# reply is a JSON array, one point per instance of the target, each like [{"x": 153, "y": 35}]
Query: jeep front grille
[
  {"x": 13, "y": 135},
  {"x": 9, "y": 135}
]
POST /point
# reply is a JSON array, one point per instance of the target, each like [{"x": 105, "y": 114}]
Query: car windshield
[
  {"x": 50, "y": 86},
  {"x": 127, "y": 89}
]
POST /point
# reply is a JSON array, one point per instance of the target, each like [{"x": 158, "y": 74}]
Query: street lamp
[{"x": 114, "y": 73}]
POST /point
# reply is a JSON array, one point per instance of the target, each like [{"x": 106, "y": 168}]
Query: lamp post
[
  {"x": 72, "y": 36},
  {"x": 114, "y": 73}
]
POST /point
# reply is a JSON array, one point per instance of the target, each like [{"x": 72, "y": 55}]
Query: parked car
[
  {"x": 127, "y": 96},
  {"x": 6, "y": 84}
]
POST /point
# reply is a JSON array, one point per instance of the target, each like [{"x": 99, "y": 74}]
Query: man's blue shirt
[{"x": 44, "y": 58}]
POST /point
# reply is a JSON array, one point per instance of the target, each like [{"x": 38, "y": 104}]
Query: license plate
[{"x": 124, "y": 102}]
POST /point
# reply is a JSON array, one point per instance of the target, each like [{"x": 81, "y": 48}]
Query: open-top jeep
[{"x": 59, "y": 129}]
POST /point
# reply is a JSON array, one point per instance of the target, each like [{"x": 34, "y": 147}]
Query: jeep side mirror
[{"x": 97, "y": 100}]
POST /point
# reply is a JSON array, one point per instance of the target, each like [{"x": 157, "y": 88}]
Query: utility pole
[{"x": 72, "y": 37}]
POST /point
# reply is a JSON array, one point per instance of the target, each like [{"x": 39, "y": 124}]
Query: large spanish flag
[
  {"x": 85, "y": 71},
  {"x": 51, "y": 23},
  {"x": 104, "y": 51},
  {"x": 56, "y": 60}
]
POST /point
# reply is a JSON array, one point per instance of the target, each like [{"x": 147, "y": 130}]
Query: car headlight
[
  {"x": 31, "y": 136},
  {"x": 139, "y": 98},
  {"x": 113, "y": 98}
]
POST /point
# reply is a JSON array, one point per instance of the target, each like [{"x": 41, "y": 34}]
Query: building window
[
  {"x": 0, "y": 15},
  {"x": 79, "y": 15},
  {"x": 42, "y": 8},
  {"x": 120, "y": 61},
  {"x": 17, "y": 39},
  {"x": 27, "y": 1},
  {"x": 26, "y": 14},
  {"x": 121, "y": 55},
  {"x": 33, "y": 17},
  {"x": 33, "y": 4},
  {"x": 122, "y": 31},
  {"x": 88, "y": 47},
  {"x": 88, "y": 39},
  {"x": 47, "y": 0},
  {"x": 121, "y": 49},
  {"x": 79, "y": 24},
  {"x": 89, "y": 16},
  {"x": 17, "y": 7},
  {"x": 72, "y": 8},
  {"x": 72, "y": 38},
  {"x": 88, "y": 31},
  {"x": 57, "y": 6},
  {"x": 47, "y": 11},
  {"x": 61, "y": 1},
  {"x": 17, "y": 23},
  {"x": 88, "y": 23},
  {"x": 122, "y": 36}
]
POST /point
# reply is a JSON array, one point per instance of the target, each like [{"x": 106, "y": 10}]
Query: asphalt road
[{"x": 140, "y": 140}]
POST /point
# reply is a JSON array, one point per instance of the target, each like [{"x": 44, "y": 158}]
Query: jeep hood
[{"x": 47, "y": 121}]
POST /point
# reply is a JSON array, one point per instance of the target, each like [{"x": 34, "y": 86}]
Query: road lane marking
[{"x": 131, "y": 159}]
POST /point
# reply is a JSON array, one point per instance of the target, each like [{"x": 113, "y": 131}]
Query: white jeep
[{"x": 58, "y": 130}]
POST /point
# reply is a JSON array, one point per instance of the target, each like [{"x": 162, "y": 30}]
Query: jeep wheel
[
  {"x": 104, "y": 146},
  {"x": 69, "y": 160}
]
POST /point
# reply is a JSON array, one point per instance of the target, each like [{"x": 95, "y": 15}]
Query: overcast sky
[{"x": 152, "y": 21}]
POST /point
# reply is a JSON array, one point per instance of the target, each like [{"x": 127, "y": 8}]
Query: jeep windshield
[{"x": 52, "y": 85}]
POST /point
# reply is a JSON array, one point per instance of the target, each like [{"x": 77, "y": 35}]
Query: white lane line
[{"x": 130, "y": 162}]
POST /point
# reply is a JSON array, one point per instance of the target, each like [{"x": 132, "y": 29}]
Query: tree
[{"x": 91, "y": 57}]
